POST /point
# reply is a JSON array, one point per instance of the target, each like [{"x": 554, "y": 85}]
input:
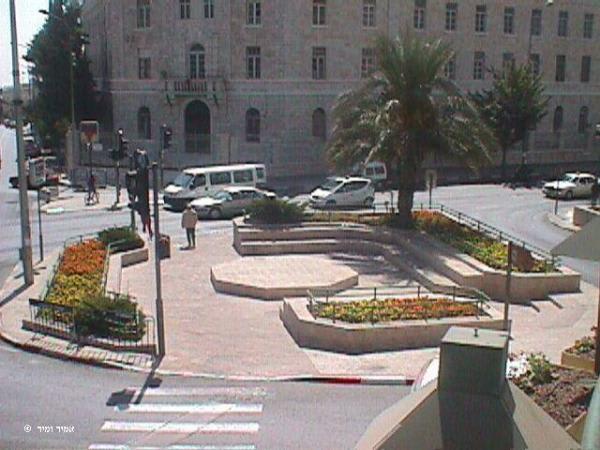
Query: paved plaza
[{"x": 227, "y": 335}]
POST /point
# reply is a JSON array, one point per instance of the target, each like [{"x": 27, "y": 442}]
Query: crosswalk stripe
[
  {"x": 182, "y": 427},
  {"x": 201, "y": 408},
  {"x": 199, "y": 392},
  {"x": 171, "y": 447}
]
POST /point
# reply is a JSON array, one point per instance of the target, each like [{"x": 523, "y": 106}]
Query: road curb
[{"x": 560, "y": 223}]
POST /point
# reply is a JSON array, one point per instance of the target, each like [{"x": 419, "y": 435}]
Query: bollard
[
  {"x": 419, "y": 292},
  {"x": 375, "y": 293}
]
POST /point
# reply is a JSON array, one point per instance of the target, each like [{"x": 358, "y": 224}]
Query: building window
[
  {"x": 367, "y": 65},
  {"x": 319, "y": 10},
  {"x": 143, "y": 13},
  {"x": 185, "y": 9},
  {"x": 197, "y": 62},
  {"x": 144, "y": 68},
  {"x": 480, "y": 19},
  {"x": 536, "y": 63},
  {"x": 252, "y": 125},
  {"x": 450, "y": 68},
  {"x": 586, "y": 67},
  {"x": 419, "y": 14},
  {"x": 561, "y": 63},
  {"x": 582, "y": 124},
  {"x": 479, "y": 66},
  {"x": 557, "y": 121},
  {"x": 588, "y": 26},
  {"x": 209, "y": 9},
  {"x": 253, "y": 63},
  {"x": 369, "y": 13},
  {"x": 318, "y": 63},
  {"x": 451, "y": 14},
  {"x": 509, "y": 20},
  {"x": 563, "y": 23},
  {"x": 144, "y": 124},
  {"x": 319, "y": 124},
  {"x": 253, "y": 12},
  {"x": 536, "y": 22},
  {"x": 508, "y": 62}
]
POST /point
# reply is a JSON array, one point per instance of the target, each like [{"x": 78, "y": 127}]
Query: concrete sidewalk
[
  {"x": 214, "y": 334},
  {"x": 74, "y": 201}
]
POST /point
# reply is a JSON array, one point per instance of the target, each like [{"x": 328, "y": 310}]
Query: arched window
[
  {"x": 144, "y": 124},
  {"x": 197, "y": 62},
  {"x": 319, "y": 125},
  {"x": 197, "y": 127},
  {"x": 252, "y": 125},
  {"x": 557, "y": 123},
  {"x": 582, "y": 125}
]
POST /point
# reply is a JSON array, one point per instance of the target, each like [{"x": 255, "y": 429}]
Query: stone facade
[{"x": 286, "y": 96}]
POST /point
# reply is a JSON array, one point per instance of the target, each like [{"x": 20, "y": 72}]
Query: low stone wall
[
  {"x": 584, "y": 214},
  {"x": 348, "y": 338},
  {"x": 133, "y": 257},
  {"x": 462, "y": 269}
]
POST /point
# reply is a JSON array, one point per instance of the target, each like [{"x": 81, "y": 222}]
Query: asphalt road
[{"x": 46, "y": 404}]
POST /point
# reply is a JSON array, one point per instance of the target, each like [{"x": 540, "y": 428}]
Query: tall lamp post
[
  {"x": 26, "y": 252},
  {"x": 72, "y": 87}
]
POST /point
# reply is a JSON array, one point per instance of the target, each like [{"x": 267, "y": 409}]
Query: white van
[
  {"x": 375, "y": 171},
  {"x": 197, "y": 182}
]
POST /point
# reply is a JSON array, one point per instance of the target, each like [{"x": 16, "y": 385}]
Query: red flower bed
[{"x": 83, "y": 258}]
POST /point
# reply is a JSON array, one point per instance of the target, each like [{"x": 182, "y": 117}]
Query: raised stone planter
[
  {"x": 348, "y": 338},
  {"x": 459, "y": 268},
  {"x": 577, "y": 427},
  {"x": 584, "y": 214},
  {"x": 576, "y": 362},
  {"x": 133, "y": 257}
]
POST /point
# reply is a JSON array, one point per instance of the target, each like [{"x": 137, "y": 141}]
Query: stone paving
[{"x": 213, "y": 333}]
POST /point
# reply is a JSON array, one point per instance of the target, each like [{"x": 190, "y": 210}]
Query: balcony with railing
[{"x": 209, "y": 87}]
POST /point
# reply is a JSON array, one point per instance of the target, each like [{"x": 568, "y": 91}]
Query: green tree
[
  {"x": 60, "y": 42},
  {"x": 513, "y": 105},
  {"x": 406, "y": 110}
]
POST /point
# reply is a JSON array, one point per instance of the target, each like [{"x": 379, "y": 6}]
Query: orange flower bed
[
  {"x": 83, "y": 259},
  {"x": 391, "y": 309}
]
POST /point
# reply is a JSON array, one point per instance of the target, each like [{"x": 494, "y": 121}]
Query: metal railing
[
  {"x": 317, "y": 298},
  {"x": 125, "y": 332}
]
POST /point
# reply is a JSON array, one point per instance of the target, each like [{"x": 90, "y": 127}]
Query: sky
[{"x": 29, "y": 21}]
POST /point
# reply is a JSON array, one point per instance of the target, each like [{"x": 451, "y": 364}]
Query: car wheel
[
  {"x": 368, "y": 202},
  {"x": 569, "y": 195},
  {"x": 215, "y": 213}
]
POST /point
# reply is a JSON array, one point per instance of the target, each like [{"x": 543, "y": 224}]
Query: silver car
[{"x": 228, "y": 202}]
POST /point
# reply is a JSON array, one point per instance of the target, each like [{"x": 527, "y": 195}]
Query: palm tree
[
  {"x": 514, "y": 105},
  {"x": 406, "y": 110}
]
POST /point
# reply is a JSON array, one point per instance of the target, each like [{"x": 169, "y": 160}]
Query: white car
[
  {"x": 343, "y": 191},
  {"x": 571, "y": 185},
  {"x": 229, "y": 202}
]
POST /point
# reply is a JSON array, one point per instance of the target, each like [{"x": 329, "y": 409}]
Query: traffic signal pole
[
  {"x": 26, "y": 252},
  {"x": 160, "y": 320}
]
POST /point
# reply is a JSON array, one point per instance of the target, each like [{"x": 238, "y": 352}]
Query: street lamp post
[{"x": 26, "y": 252}]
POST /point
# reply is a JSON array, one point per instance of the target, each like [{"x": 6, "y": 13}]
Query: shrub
[
  {"x": 540, "y": 369},
  {"x": 122, "y": 239},
  {"x": 275, "y": 211},
  {"x": 110, "y": 316}
]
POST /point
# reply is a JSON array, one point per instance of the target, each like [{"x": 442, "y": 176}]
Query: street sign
[{"x": 90, "y": 129}]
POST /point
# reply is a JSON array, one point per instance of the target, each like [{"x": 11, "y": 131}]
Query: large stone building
[{"x": 255, "y": 80}]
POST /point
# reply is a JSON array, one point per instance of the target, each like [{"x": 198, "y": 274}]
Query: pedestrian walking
[{"x": 189, "y": 219}]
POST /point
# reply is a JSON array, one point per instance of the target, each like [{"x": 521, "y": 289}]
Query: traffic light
[{"x": 167, "y": 136}]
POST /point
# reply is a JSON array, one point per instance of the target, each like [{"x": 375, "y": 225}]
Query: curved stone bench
[{"x": 424, "y": 258}]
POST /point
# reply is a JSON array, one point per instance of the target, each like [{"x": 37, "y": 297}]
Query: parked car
[
  {"x": 343, "y": 191},
  {"x": 228, "y": 202},
  {"x": 375, "y": 171},
  {"x": 571, "y": 185}
]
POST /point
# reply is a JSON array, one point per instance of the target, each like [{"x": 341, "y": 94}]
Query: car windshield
[
  {"x": 568, "y": 177},
  {"x": 222, "y": 195},
  {"x": 183, "y": 180},
  {"x": 330, "y": 184}
]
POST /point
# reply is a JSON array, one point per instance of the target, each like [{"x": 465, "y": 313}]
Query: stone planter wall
[
  {"x": 347, "y": 338},
  {"x": 576, "y": 362},
  {"x": 584, "y": 214},
  {"x": 460, "y": 268}
]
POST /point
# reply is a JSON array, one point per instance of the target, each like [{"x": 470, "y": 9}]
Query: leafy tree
[
  {"x": 60, "y": 42},
  {"x": 514, "y": 104},
  {"x": 406, "y": 110}
]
